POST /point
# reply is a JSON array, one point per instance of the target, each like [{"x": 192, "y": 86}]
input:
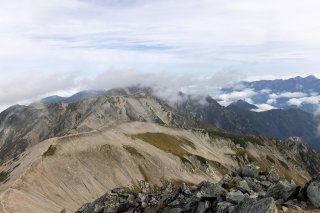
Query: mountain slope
[
  {"x": 68, "y": 171},
  {"x": 277, "y": 123},
  {"x": 24, "y": 126}
]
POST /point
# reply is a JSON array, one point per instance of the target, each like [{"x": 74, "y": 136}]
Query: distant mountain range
[
  {"x": 239, "y": 117},
  {"x": 298, "y": 92}
]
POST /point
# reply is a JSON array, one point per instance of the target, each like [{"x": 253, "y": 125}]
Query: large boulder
[
  {"x": 209, "y": 191},
  {"x": 286, "y": 191},
  {"x": 313, "y": 192},
  {"x": 275, "y": 191},
  {"x": 290, "y": 192},
  {"x": 250, "y": 170},
  {"x": 235, "y": 197},
  {"x": 266, "y": 205}
]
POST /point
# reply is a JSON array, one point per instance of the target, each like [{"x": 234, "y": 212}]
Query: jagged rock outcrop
[{"x": 235, "y": 193}]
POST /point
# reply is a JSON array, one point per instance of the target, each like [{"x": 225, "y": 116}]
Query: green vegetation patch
[
  {"x": 168, "y": 143},
  {"x": 4, "y": 176},
  {"x": 236, "y": 138},
  {"x": 50, "y": 152},
  {"x": 133, "y": 151}
]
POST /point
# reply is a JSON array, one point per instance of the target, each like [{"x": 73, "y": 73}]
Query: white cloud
[
  {"x": 183, "y": 34},
  {"x": 274, "y": 96},
  {"x": 27, "y": 87},
  {"x": 62, "y": 43},
  {"x": 304, "y": 100},
  {"x": 226, "y": 99},
  {"x": 263, "y": 107}
]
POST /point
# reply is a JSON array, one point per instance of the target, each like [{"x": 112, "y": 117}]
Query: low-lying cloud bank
[{"x": 27, "y": 87}]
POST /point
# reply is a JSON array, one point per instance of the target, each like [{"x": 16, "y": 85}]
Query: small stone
[
  {"x": 144, "y": 186},
  {"x": 285, "y": 209},
  {"x": 262, "y": 178}
]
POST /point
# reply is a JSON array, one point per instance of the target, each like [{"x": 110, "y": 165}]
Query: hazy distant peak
[{"x": 242, "y": 104}]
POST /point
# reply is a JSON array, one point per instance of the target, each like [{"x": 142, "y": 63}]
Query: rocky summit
[{"x": 245, "y": 190}]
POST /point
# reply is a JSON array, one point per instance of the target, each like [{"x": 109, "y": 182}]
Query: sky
[{"x": 60, "y": 47}]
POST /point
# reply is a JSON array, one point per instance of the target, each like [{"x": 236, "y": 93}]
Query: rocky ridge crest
[{"x": 245, "y": 190}]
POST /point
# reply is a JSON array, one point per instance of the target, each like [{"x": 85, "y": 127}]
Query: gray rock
[
  {"x": 203, "y": 207},
  {"x": 209, "y": 190},
  {"x": 170, "y": 210},
  {"x": 223, "y": 207},
  {"x": 313, "y": 192},
  {"x": 243, "y": 187},
  {"x": 186, "y": 189},
  {"x": 265, "y": 184},
  {"x": 144, "y": 186},
  {"x": 255, "y": 186},
  {"x": 166, "y": 188},
  {"x": 250, "y": 171},
  {"x": 266, "y": 205},
  {"x": 275, "y": 191},
  {"x": 290, "y": 192},
  {"x": 168, "y": 198},
  {"x": 235, "y": 197},
  {"x": 98, "y": 208},
  {"x": 273, "y": 177},
  {"x": 262, "y": 178}
]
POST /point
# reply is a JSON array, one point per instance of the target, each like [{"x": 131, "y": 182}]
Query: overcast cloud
[{"x": 58, "y": 46}]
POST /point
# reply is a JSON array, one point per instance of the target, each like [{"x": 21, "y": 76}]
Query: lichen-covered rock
[
  {"x": 266, "y": 205},
  {"x": 243, "y": 186}
]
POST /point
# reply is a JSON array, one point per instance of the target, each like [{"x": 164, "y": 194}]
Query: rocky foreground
[{"x": 247, "y": 190}]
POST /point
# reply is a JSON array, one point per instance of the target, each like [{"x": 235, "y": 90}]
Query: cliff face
[{"x": 69, "y": 171}]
